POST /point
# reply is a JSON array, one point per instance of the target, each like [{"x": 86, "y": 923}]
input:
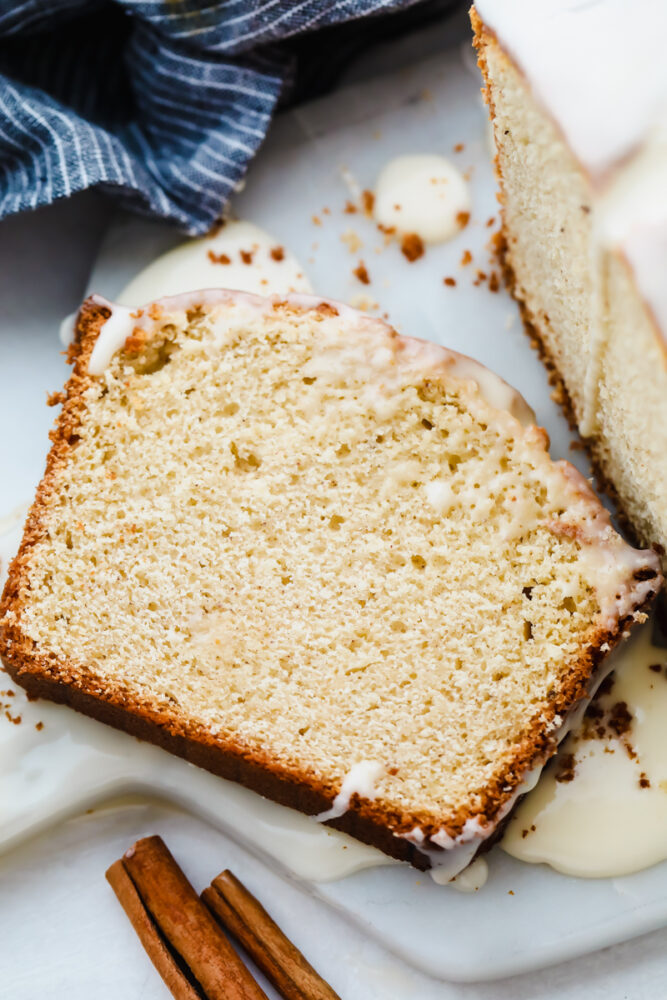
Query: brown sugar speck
[
  {"x": 368, "y": 202},
  {"x": 246, "y": 256},
  {"x": 412, "y": 247},
  {"x": 219, "y": 258},
  {"x": 459, "y": 147},
  {"x": 450, "y": 282},
  {"x": 644, "y": 780},
  {"x": 466, "y": 258},
  {"x": 277, "y": 253},
  {"x": 361, "y": 273}
]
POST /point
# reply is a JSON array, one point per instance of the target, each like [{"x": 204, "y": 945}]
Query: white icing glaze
[
  {"x": 331, "y": 359},
  {"x": 113, "y": 334},
  {"x": 471, "y": 879},
  {"x": 603, "y": 822},
  {"x": 360, "y": 780},
  {"x": 190, "y": 266},
  {"x": 67, "y": 329},
  {"x": 422, "y": 194}
]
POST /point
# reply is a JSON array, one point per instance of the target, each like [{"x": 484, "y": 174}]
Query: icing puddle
[
  {"x": 240, "y": 255},
  {"x": 424, "y": 195},
  {"x": 600, "y": 808}
]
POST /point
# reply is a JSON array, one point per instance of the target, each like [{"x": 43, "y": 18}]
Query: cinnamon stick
[
  {"x": 184, "y": 942},
  {"x": 244, "y": 917}
]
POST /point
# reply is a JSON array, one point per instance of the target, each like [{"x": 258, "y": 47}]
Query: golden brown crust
[{"x": 45, "y": 675}]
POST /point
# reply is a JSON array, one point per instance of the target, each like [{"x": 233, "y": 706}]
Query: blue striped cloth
[{"x": 161, "y": 103}]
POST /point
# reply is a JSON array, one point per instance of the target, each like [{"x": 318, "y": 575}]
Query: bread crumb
[
  {"x": 277, "y": 253},
  {"x": 412, "y": 247},
  {"x": 459, "y": 147},
  {"x": 462, "y": 219},
  {"x": 368, "y": 202},
  {"x": 316, "y": 220},
  {"x": 566, "y": 768},
  {"x": 466, "y": 258},
  {"x": 451, "y": 282},
  {"x": 644, "y": 780},
  {"x": 218, "y": 258},
  {"x": 361, "y": 274},
  {"x": 364, "y": 302},
  {"x": 351, "y": 240},
  {"x": 246, "y": 256},
  {"x": 350, "y": 208},
  {"x": 494, "y": 282},
  {"x": 490, "y": 222}
]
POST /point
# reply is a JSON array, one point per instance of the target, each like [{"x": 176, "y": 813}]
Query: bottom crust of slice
[{"x": 215, "y": 759}]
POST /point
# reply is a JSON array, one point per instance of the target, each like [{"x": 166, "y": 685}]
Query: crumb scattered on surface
[
  {"x": 412, "y": 247},
  {"x": 494, "y": 281},
  {"x": 466, "y": 258},
  {"x": 490, "y": 222},
  {"x": 462, "y": 219},
  {"x": 247, "y": 255},
  {"x": 218, "y": 258},
  {"x": 361, "y": 274},
  {"x": 364, "y": 302},
  {"x": 531, "y": 829},
  {"x": 459, "y": 147},
  {"x": 277, "y": 253},
  {"x": 566, "y": 767},
  {"x": 316, "y": 220},
  {"x": 450, "y": 282},
  {"x": 350, "y": 208},
  {"x": 368, "y": 202},
  {"x": 620, "y": 719},
  {"x": 326, "y": 211},
  {"x": 351, "y": 240},
  {"x": 644, "y": 780},
  {"x": 39, "y": 726}
]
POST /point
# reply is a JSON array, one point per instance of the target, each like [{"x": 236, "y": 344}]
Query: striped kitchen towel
[{"x": 161, "y": 103}]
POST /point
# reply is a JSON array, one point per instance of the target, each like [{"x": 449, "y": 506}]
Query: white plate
[{"x": 526, "y": 916}]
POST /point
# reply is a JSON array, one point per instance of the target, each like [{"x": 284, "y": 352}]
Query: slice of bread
[{"x": 318, "y": 558}]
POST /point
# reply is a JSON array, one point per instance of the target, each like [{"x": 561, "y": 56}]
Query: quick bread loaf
[{"x": 330, "y": 562}]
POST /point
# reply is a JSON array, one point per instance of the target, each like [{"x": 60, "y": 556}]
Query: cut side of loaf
[
  {"x": 313, "y": 556},
  {"x": 579, "y": 296}
]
